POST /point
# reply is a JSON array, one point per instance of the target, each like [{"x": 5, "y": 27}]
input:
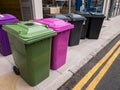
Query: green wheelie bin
[{"x": 31, "y": 48}]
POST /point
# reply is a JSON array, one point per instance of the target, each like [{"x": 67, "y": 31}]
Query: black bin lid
[
  {"x": 75, "y": 17},
  {"x": 58, "y": 16},
  {"x": 85, "y": 14},
  {"x": 49, "y": 15},
  {"x": 61, "y": 16},
  {"x": 98, "y": 15}
]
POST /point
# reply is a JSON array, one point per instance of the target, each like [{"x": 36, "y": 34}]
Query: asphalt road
[
  {"x": 111, "y": 80},
  {"x": 106, "y": 76}
]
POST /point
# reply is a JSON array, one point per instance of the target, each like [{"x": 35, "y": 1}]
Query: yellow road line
[
  {"x": 84, "y": 80},
  {"x": 97, "y": 79}
]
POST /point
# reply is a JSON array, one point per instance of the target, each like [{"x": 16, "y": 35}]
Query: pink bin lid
[
  {"x": 6, "y": 17},
  {"x": 56, "y": 24}
]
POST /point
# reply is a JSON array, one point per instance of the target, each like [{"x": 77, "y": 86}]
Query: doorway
[{"x": 10, "y": 7}]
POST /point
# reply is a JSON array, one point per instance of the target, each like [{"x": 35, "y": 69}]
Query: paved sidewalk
[{"x": 77, "y": 56}]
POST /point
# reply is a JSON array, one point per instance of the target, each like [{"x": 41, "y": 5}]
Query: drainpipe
[
  {"x": 78, "y": 5},
  {"x": 88, "y": 5}
]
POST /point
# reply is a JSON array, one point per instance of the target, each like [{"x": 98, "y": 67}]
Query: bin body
[
  {"x": 86, "y": 24},
  {"x": 59, "y": 42},
  {"x": 95, "y": 25},
  {"x": 31, "y": 53},
  {"x": 75, "y": 34},
  {"x": 4, "y": 42}
]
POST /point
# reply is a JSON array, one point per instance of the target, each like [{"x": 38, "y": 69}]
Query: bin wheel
[{"x": 16, "y": 70}]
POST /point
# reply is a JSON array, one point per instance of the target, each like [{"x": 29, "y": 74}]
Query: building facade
[{"x": 34, "y": 9}]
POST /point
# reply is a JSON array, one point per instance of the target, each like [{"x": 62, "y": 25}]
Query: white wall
[
  {"x": 37, "y": 9},
  {"x": 106, "y": 8}
]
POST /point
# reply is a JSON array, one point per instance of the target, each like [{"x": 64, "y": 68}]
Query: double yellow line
[{"x": 99, "y": 76}]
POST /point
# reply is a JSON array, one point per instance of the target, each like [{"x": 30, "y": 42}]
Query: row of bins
[
  {"x": 93, "y": 24},
  {"x": 87, "y": 25},
  {"x": 41, "y": 44},
  {"x": 38, "y": 47},
  {"x": 74, "y": 19}
]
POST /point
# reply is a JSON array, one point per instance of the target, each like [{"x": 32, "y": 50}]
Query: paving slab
[
  {"x": 5, "y": 66},
  {"x": 54, "y": 81}
]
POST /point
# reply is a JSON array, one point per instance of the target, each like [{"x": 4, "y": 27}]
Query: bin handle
[
  {"x": 42, "y": 25},
  {"x": 29, "y": 24},
  {"x": 46, "y": 26}
]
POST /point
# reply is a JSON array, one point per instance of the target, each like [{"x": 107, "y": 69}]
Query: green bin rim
[{"x": 29, "y": 31}]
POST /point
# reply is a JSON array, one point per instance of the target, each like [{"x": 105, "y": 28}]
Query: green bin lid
[{"x": 29, "y": 31}]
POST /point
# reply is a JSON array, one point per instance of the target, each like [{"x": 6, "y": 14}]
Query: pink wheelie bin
[{"x": 60, "y": 41}]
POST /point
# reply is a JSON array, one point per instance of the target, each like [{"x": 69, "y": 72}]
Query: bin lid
[
  {"x": 75, "y": 17},
  {"x": 29, "y": 31},
  {"x": 56, "y": 24},
  {"x": 49, "y": 15},
  {"x": 85, "y": 14},
  {"x": 95, "y": 14},
  {"x": 4, "y": 18},
  {"x": 59, "y": 16}
]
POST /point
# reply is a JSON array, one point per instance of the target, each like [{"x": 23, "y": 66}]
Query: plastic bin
[
  {"x": 4, "y": 42},
  {"x": 86, "y": 24},
  {"x": 76, "y": 33},
  {"x": 31, "y": 47},
  {"x": 60, "y": 41},
  {"x": 96, "y": 22},
  {"x": 58, "y": 16}
]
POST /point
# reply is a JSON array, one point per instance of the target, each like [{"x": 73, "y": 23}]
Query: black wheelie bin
[
  {"x": 86, "y": 24},
  {"x": 93, "y": 24},
  {"x": 96, "y": 22},
  {"x": 75, "y": 34},
  {"x": 58, "y": 16}
]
